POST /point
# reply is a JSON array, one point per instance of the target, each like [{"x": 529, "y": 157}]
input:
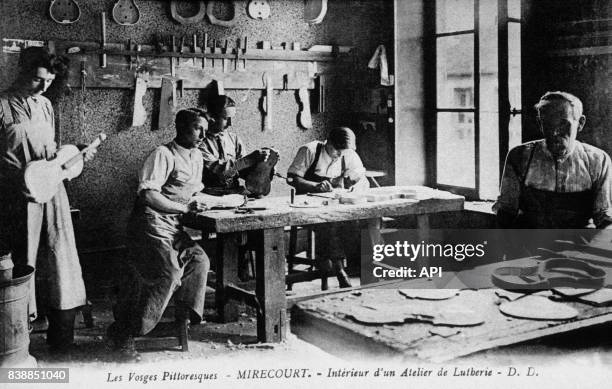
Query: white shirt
[
  {"x": 326, "y": 166},
  {"x": 187, "y": 166}
]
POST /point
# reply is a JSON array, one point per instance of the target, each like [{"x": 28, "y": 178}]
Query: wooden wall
[{"x": 568, "y": 46}]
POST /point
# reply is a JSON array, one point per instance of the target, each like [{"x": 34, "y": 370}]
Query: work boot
[
  {"x": 60, "y": 333},
  {"x": 122, "y": 344},
  {"x": 343, "y": 278}
]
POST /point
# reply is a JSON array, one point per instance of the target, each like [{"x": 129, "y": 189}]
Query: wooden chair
[
  {"x": 167, "y": 334},
  {"x": 295, "y": 258}
]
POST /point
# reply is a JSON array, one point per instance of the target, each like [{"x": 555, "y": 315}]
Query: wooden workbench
[
  {"x": 269, "y": 297},
  {"x": 326, "y": 321}
]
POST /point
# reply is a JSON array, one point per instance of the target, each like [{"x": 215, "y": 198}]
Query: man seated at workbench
[
  {"x": 556, "y": 182},
  {"x": 223, "y": 151},
  {"x": 320, "y": 167},
  {"x": 163, "y": 259}
]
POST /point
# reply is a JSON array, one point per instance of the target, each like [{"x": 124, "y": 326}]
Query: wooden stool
[
  {"x": 167, "y": 334},
  {"x": 293, "y": 259},
  {"x": 164, "y": 337},
  {"x": 372, "y": 174}
]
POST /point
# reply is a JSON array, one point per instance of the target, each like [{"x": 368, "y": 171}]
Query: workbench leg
[
  {"x": 227, "y": 273},
  {"x": 374, "y": 237},
  {"x": 270, "y": 286}
]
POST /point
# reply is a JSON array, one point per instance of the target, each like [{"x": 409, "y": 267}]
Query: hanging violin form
[
  {"x": 126, "y": 12},
  {"x": 64, "y": 11}
]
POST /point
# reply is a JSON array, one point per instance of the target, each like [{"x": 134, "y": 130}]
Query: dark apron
[
  {"x": 331, "y": 237},
  {"x": 310, "y": 174},
  {"x": 552, "y": 210}
]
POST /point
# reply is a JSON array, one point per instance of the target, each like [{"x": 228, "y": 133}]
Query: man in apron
[
  {"x": 556, "y": 182},
  {"x": 27, "y": 132},
  {"x": 320, "y": 167},
  {"x": 163, "y": 260}
]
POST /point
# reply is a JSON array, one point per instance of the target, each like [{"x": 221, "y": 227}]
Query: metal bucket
[{"x": 14, "y": 336}]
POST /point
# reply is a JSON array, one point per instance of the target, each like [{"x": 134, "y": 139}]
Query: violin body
[
  {"x": 126, "y": 12},
  {"x": 64, "y": 11},
  {"x": 259, "y": 178},
  {"x": 42, "y": 178}
]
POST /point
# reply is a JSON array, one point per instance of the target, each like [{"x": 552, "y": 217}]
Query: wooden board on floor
[{"x": 326, "y": 323}]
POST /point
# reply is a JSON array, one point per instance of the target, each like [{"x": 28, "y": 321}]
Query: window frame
[{"x": 431, "y": 84}]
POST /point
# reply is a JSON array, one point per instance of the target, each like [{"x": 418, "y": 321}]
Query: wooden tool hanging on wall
[
  {"x": 139, "y": 115},
  {"x": 64, "y": 11},
  {"x": 305, "y": 117},
  {"x": 167, "y": 102},
  {"x": 197, "y": 18},
  {"x": 126, "y": 12},
  {"x": 267, "y": 102}
]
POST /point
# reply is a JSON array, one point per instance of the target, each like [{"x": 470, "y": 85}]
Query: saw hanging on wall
[
  {"x": 64, "y": 11},
  {"x": 126, "y": 12}
]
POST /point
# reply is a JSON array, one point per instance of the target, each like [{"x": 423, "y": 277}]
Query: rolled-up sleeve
[
  {"x": 301, "y": 162},
  {"x": 602, "y": 206},
  {"x": 508, "y": 201},
  {"x": 353, "y": 166},
  {"x": 155, "y": 170}
]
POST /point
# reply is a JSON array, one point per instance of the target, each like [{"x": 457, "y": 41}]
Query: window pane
[
  {"x": 514, "y": 9},
  {"x": 514, "y": 65},
  {"x": 515, "y": 137},
  {"x": 489, "y": 101},
  {"x": 489, "y": 155},
  {"x": 455, "y": 71},
  {"x": 455, "y": 149},
  {"x": 454, "y": 15}
]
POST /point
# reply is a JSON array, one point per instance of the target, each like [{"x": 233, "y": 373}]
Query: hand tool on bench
[{"x": 330, "y": 196}]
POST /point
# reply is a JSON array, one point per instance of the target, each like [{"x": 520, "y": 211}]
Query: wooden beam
[
  {"x": 581, "y": 51},
  {"x": 227, "y": 274},
  {"x": 270, "y": 286}
]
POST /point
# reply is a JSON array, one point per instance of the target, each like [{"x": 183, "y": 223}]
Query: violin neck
[{"x": 74, "y": 160}]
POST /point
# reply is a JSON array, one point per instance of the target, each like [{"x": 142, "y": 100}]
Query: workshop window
[{"x": 477, "y": 71}]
